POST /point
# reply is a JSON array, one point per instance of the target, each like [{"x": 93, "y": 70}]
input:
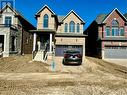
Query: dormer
[{"x": 45, "y": 18}]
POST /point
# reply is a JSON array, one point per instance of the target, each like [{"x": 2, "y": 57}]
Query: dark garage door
[
  {"x": 59, "y": 50},
  {"x": 116, "y": 52}
]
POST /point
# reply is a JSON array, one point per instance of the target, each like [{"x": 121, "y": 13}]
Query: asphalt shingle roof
[
  {"x": 60, "y": 18},
  {"x": 100, "y": 18}
]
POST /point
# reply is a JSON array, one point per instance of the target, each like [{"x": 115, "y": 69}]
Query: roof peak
[
  {"x": 42, "y": 8},
  {"x": 115, "y": 9}
]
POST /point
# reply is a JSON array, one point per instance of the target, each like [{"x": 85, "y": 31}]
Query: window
[
  {"x": 115, "y": 23},
  {"x": 8, "y": 20},
  {"x": 66, "y": 27},
  {"x": 115, "y": 31},
  {"x": 78, "y": 28},
  {"x": 45, "y": 21},
  {"x": 115, "y": 28},
  {"x": 121, "y": 31},
  {"x": 72, "y": 26},
  {"x": 107, "y": 31}
]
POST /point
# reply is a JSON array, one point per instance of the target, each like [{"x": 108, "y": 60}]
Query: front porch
[{"x": 43, "y": 45}]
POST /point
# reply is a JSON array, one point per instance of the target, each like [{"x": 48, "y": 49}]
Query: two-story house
[
  {"x": 55, "y": 34},
  {"x": 14, "y": 32},
  {"x": 107, "y": 36}
]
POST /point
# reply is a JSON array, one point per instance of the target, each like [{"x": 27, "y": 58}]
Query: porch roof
[
  {"x": 70, "y": 35},
  {"x": 43, "y": 31}
]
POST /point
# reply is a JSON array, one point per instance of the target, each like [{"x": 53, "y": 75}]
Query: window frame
[
  {"x": 115, "y": 27},
  {"x": 45, "y": 21},
  {"x": 116, "y": 33},
  {"x": 107, "y": 27},
  {"x": 78, "y": 28},
  {"x": 120, "y": 31},
  {"x": 66, "y": 28},
  {"x": 72, "y": 27},
  {"x": 8, "y": 20}
]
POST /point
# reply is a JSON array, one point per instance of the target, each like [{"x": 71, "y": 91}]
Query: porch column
[
  {"x": 6, "y": 45},
  {"x": 34, "y": 42},
  {"x": 50, "y": 48}
]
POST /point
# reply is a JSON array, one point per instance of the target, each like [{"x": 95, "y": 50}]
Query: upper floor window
[
  {"x": 107, "y": 31},
  {"x": 45, "y": 21},
  {"x": 115, "y": 28},
  {"x": 115, "y": 23},
  {"x": 8, "y": 20},
  {"x": 72, "y": 26},
  {"x": 122, "y": 31},
  {"x": 66, "y": 27},
  {"x": 115, "y": 31},
  {"x": 78, "y": 27}
]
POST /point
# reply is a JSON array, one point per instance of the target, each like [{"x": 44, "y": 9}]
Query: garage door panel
[
  {"x": 59, "y": 51},
  {"x": 116, "y": 53}
]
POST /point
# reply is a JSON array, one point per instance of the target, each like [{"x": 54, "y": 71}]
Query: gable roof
[
  {"x": 112, "y": 12},
  {"x": 74, "y": 14},
  {"x": 17, "y": 13},
  {"x": 45, "y": 6},
  {"x": 9, "y": 6},
  {"x": 103, "y": 17}
]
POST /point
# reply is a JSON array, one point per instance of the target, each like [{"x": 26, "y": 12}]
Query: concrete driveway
[{"x": 122, "y": 62}]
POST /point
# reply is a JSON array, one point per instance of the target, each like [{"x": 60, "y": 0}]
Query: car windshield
[{"x": 72, "y": 51}]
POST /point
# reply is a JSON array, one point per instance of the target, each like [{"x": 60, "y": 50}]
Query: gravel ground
[{"x": 20, "y": 76}]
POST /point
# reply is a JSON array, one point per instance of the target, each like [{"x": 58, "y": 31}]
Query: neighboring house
[
  {"x": 55, "y": 34},
  {"x": 14, "y": 32},
  {"x": 107, "y": 36}
]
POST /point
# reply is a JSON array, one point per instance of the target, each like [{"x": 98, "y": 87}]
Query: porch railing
[
  {"x": 9, "y": 25},
  {"x": 34, "y": 54},
  {"x": 45, "y": 54}
]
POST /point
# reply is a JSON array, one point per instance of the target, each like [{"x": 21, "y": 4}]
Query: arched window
[
  {"x": 115, "y": 28},
  {"x": 78, "y": 28},
  {"x": 115, "y": 23},
  {"x": 66, "y": 27},
  {"x": 45, "y": 21},
  {"x": 72, "y": 26}
]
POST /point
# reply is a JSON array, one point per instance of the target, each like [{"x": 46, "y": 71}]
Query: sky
[{"x": 86, "y": 9}]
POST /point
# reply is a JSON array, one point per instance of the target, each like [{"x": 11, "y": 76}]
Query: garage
[
  {"x": 59, "y": 50},
  {"x": 115, "y": 52}
]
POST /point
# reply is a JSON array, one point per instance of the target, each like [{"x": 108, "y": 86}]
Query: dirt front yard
[{"x": 21, "y": 76}]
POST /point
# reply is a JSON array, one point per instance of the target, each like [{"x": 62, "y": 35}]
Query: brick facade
[{"x": 97, "y": 39}]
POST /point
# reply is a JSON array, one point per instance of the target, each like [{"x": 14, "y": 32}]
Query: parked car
[{"x": 72, "y": 57}]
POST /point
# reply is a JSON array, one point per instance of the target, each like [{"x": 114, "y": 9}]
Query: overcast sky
[{"x": 86, "y": 9}]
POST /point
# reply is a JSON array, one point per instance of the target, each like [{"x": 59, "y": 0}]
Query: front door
[
  {"x": 13, "y": 43},
  {"x": 44, "y": 42},
  {"x": 1, "y": 43}
]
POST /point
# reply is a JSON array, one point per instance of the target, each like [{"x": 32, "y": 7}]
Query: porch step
[{"x": 39, "y": 56}]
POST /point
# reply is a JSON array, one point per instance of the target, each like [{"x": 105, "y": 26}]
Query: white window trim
[
  {"x": 118, "y": 31},
  {"x": 77, "y": 28},
  {"x": 106, "y": 31},
  {"x": 6, "y": 15}
]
